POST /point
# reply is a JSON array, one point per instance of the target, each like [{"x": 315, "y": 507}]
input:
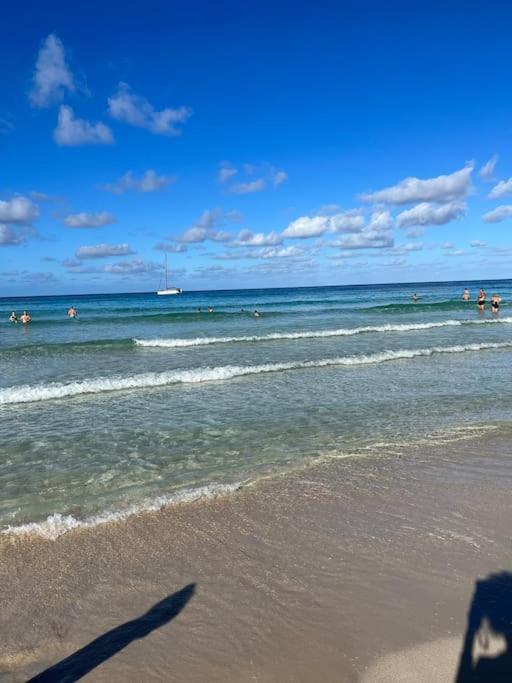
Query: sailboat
[{"x": 168, "y": 290}]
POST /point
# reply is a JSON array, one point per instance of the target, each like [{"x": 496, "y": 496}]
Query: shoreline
[{"x": 311, "y": 576}]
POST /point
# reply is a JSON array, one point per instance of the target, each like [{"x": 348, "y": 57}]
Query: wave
[
  {"x": 57, "y": 524},
  {"x": 311, "y": 334},
  {"x": 44, "y": 392}
]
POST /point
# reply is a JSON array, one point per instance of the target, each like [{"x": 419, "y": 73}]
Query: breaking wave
[
  {"x": 44, "y": 392},
  {"x": 57, "y": 524},
  {"x": 311, "y": 334}
]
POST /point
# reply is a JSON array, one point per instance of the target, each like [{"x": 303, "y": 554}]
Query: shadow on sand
[
  {"x": 99, "y": 650},
  {"x": 489, "y": 620}
]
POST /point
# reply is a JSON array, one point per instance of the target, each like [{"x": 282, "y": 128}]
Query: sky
[{"x": 255, "y": 144}]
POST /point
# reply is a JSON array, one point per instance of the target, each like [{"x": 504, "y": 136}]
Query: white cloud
[
  {"x": 10, "y": 237},
  {"x": 314, "y": 226},
  {"x": 502, "y": 188},
  {"x": 226, "y": 171},
  {"x": 376, "y": 235},
  {"x": 498, "y": 214},
  {"x": 72, "y": 132},
  {"x": 137, "y": 111},
  {"x": 248, "y": 188},
  {"x": 478, "y": 244},
  {"x": 52, "y": 76},
  {"x": 487, "y": 170},
  {"x": 441, "y": 189},
  {"x": 18, "y": 210},
  {"x": 430, "y": 214},
  {"x": 103, "y": 250},
  {"x": 150, "y": 181},
  {"x": 246, "y": 238},
  {"x": 194, "y": 235},
  {"x": 282, "y": 252},
  {"x": 279, "y": 177},
  {"x": 171, "y": 248},
  {"x": 89, "y": 220},
  {"x": 447, "y": 245},
  {"x": 203, "y": 228},
  {"x": 307, "y": 226}
]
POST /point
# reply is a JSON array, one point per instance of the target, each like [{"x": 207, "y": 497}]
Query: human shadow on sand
[
  {"x": 99, "y": 650},
  {"x": 489, "y": 619}
]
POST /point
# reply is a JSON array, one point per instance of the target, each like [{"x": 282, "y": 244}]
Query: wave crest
[
  {"x": 44, "y": 392},
  {"x": 311, "y": 334}
]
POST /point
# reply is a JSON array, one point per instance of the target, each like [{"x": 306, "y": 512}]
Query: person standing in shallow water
[
  {"x": 466, "y": 295},
  {"x": 481, "y": 300},
  {"x": 25, "y": 318},
  {"x": 13, "y": 317},
  {"x": 495, "y": 303}
]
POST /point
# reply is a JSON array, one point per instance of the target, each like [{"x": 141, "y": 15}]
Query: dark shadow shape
[
  {"x": 99, "y": 650},
  {"x": 492, "y": 601}
]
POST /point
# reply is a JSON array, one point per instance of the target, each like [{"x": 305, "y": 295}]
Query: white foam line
[
  {"x": 312, "y": 334},
  {"x": 44, "y": 392},
  {"x": 55, "y": 525}
]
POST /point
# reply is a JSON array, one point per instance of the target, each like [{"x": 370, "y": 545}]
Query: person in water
[
  {"x": 495, "y": 303},
  {"x": 466, "y": 295},
  {"x": 72, "y": 312},
  {"x": 256, "y": 314},
  {"x": 414, "y": 297},
  {"x": 481, "y": 300},
  {"x": 13, "y": 317},
  {"x": 25, "y": 318}
]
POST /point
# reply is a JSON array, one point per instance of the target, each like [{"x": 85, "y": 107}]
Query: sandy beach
[{"x": 330, "y": 573}]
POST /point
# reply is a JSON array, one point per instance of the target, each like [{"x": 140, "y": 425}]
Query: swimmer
[
  {"x": 466, "y": 295},
  {"x": 481, "y": 300},
  {"x": 210, "y": 309},
  {"x": 256, "y": 314},
  {"x": 198, "y": 309},
  {"x": 72, "y": 312},
  {"x": 495, "y": 303},
  {"x": 25, "y": 318},
  {"x": 13, "y": 317},
  {"x": 414, "y": 297}
]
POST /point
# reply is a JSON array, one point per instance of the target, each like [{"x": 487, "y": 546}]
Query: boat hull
[{"x": 169, "y": 292}]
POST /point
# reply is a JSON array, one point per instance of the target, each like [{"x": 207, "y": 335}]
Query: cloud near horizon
[
  {"x": 103, "y": 251},
  {"x": 125, "y": 106},
  {"x": 443, "y": 188}
]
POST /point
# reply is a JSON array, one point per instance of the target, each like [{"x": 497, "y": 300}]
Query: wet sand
[{"x": 347, "y": 571}]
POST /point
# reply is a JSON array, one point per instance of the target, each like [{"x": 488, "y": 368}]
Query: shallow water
[{"x": 144, "y": 400}]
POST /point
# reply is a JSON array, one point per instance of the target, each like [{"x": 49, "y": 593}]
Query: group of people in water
[
  {"x": 482, "y": 298},
  {"x": 25, "y": 317},
  {"x": 480, "y": 301}
]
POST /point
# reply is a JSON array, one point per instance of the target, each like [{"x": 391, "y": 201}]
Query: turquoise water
[{"x": 144, "y": 400}]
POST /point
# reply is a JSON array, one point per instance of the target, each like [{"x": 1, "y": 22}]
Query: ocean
[{"x": 145, "y": 401}]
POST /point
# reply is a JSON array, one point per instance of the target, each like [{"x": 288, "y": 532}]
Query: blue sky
[{"x": 257, "y": 144}]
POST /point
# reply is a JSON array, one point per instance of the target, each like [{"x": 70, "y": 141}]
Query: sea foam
[
  {"x": 44, "y": 392},
  {"x": 311, "y": 334},
  {"x": 57, "y": 524}
]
